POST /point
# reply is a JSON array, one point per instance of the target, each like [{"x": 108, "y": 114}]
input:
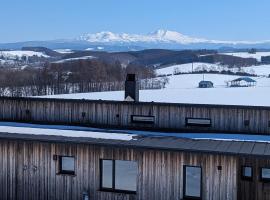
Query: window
[
  {"x": 246, "y": 122},
  {"x": 192, "y": 182},
  {"x": 198, "y": 122},
  {"x": 119, "y": 176},
  {"x": 142, "y": 119},
  {"x": 247, "y": 173},
  {"x": 265, "y": 174},
  {"x": 67, "y": 165}
]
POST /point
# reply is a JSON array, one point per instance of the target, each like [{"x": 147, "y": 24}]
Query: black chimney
[{"x": 131, "y": 88}]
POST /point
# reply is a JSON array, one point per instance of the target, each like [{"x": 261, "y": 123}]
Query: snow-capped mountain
[
  {"x": 156, "y": 37},
  {"x": 159, "y": 36},
  {"x": 115, "y": 42}
]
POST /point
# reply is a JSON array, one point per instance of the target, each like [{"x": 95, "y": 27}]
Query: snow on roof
[
  {"x": 235, "y": 144},
  {"x": 246, "y": 79},
  {"x": 66, "y": 131},
  {"x": 118, "y": 134},
  {"x": 205, "y": 82}
]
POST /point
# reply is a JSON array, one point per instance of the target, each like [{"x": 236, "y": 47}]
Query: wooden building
[
  {"x": 138, "y": 115},
  {"x": 45, "y": 162},
  {"x": 152, "y": 167},
  {"x": 206, "y": 84}
]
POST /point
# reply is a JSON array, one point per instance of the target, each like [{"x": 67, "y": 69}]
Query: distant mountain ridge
[
  {"x": 158, "y": 36},
  {"x": 117, "y": 42}
]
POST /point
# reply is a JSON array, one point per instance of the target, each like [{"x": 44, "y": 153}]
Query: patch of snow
[
  {"x": 259, "y": 70},
  {"x": 44, "y": 130},
  {"x": 89, "y": 49},
  {"x": 257, "y": 55},
  {"x": 64, "y": 51},
  {"x": 20, "y": 54},
  {"x": 188, "y": 68},
  {"x": 72, "y": 59}
]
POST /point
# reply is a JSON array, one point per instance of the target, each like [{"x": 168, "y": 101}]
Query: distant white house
[{"x": 242, "y": 82}]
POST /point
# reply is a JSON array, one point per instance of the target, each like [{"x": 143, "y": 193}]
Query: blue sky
[{"x": 213, "y": 19}]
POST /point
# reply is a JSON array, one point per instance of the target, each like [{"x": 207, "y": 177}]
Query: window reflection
[
  {"x": 265, "y": 174},
  {"x": 107, "y": 171},
  {"x": 67, "y": 165},
  {"x": 192, "y": 181},
  {"x": 119, "y": 175},
  {"x": 125, "y": 175}
]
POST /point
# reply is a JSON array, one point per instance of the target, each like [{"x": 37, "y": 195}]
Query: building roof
[
  {"x": 246, "y": 79},
  {"x": 206, "y": 82},
  {"x": 231, "y": 144}
]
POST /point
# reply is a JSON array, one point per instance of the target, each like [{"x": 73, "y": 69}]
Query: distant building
[
  {"x": 242, "y": 82},
  {"x": 206, "y": 84},
  {"x": 265, "y": 59}
]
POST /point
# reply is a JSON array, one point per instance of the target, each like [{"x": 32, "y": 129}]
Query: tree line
[{"x": 72, "y": 77}]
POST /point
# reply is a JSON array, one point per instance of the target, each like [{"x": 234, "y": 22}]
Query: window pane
[
  {"x": 193, "y": 182},
  {"x": 107, "y": 167},
  {"x": 266, "y": 173},
  {"x": 125, "y": 175},
  {"x": 247, "y": 172},
  {"x": 68, "y": 164}
]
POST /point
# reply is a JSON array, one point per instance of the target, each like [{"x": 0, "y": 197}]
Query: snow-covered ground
[
  {"x": 72, "y": 59},
  {"x": 20, "y": 54},
  {"x": 257, "y": 55},
  {"x": 184, "y": 89},
  {"x": 64, "y": 51},
  {"x": 260, "y": 70},
  {"x": 188, "y": 68}
]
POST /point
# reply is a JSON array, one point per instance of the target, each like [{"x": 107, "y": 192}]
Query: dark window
[
  {"x": 67, "y": 165},
  {"x": 265, "y": 174},
  {"x": 142, "y": 119},
  {"x": 269, "y": 124},
  {"x": 247, "y": 173},
  {"x": 246, "y": 122},
  {"x": 192, "y": 182},
  {"x": 119, "y": 176},
  {"x": 202, "y": 122}
]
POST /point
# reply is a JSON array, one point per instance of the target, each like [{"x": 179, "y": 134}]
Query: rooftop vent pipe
[{"x": 131, "y": 88}]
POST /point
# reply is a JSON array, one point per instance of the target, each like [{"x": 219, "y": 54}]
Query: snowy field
[
  {"x": 188, "y": 68},
  {"x": 20, "y": 54},
  {"x": 260, "y": 70},
  {"x": 184, "y": 89},
  {"x": 257, "y": 55},
  {"x": 72, "y": 59},
  {"x": 64, "y": 51}
]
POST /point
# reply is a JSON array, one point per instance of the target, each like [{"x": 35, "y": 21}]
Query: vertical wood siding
[
  {"x": 28, "y": 172},
  {"x": 118, "y": 114},
  {"x": 255, "y": 189}
]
